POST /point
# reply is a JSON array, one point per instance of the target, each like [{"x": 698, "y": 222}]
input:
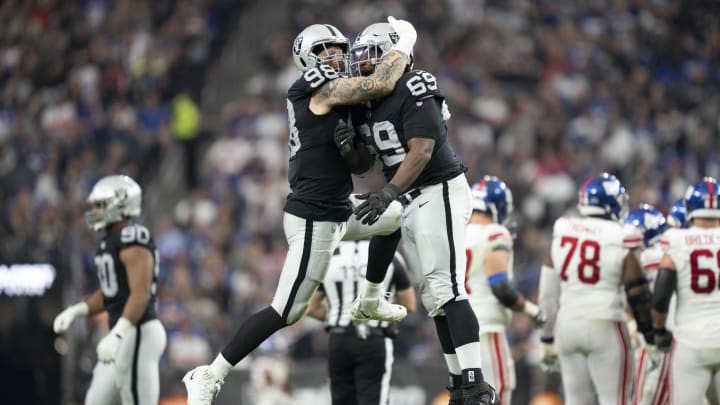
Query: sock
[
  {"x": 251, "y": 333},
  {"x": 453, "y": 364},
  {"x": 469, "y": 356},
  {"x": 472, "y": 376},
  {"x": 465, "y": 332},
  {"x": 462, "y": 323},
  {"x": 380, "y": 254},
  {"x": 220, "y": 367},
  {"x": 451, "y": 358},
  {"x": 373, "y": 291}
]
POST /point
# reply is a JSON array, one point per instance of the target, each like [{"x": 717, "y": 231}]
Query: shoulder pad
[
  {"x": 418, "y": 84},
  {"x": 632, "y": 237},
  {"x": 311, "y": 80},
  {"x": 499, "y": 233},
  {"x": 135, "y": 234}
]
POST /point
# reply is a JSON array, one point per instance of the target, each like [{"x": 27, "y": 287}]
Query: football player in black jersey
[
  {"x": 318, "y": 208},
  {"x": 127, "y": 268},
  {"x": 407, "y": 131}
]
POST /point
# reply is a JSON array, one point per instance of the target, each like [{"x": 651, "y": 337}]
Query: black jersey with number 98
[
  {"x": 113, "y": 275},
  {"x": 319, "y": 179}
]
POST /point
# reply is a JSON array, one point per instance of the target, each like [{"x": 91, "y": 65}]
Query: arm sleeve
[
  {"x": 502, "y": 290},
  {"x": 549, "y": 298},
  {"x": 665, "y": 284}
]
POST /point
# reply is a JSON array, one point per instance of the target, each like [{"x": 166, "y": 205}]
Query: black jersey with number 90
[{"x": 113, "y": 275}]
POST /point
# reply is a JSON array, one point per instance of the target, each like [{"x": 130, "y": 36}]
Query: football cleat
[
  {"x": 202, "y": 386},
  {"x": 479, "y": 394},
  {"x": 456, "y": 396},
  {"x": 363, "y": 310}
]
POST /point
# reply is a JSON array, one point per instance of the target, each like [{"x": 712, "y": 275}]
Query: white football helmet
[
  {"x": 370, "y": 45},
  {"x": 118, "y": 196},
  {"x": 313, "y": 40}
]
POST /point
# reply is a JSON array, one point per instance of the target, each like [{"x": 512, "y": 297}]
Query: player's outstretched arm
[{"x": 354, "y": 90}]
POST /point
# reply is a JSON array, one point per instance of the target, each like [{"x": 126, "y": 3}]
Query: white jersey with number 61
[
  {"x": 588, "y": 254},
  {"x": 696, "y": 254}
]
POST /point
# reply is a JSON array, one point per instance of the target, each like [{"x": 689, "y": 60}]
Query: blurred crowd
[{"x": 542, "y": 93}]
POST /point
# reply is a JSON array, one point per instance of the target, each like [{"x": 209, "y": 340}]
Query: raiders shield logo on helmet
[
  {"x": 394, "y": 37},
  {"x": 297, "y": 44}
]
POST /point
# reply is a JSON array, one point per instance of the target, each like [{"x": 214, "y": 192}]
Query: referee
[{"x": 360, "y": 357}]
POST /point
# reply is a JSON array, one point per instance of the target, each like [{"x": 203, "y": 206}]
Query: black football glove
[
  {"x": 375, "y": 203},
  {"x": 343, "y": 136},
  {"x": 662, "y": 338}
]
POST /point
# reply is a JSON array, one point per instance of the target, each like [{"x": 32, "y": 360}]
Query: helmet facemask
[
  {"x": 338, "y": 61},
  {"x": 363, "y": 60}
]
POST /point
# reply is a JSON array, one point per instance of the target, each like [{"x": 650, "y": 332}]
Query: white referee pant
[{"x": 133, "y": 379}]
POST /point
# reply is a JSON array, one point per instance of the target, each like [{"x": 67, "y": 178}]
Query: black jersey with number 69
[
  {"x": 319, "y": 179},
  {"x": 416, "y": 108},
  {"x": 113, "y": 275}
]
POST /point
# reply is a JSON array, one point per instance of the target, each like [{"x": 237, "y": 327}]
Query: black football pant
[{"x": 359, "y": 369}]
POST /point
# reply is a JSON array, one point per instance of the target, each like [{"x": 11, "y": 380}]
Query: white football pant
[
  {"x": 133, "y": 379},
  {"x": 433, "y": 240},
  {"x": 693, "y": 372},
  {"x": 498, "y": 365},
  {"x": 595, "y": 359}
]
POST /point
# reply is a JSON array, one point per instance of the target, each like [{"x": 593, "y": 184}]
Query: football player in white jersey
[
  {"x": 651, "y": 377},
  {"x": 691, "y": 269},
  {"x": 581, "y": 290},
  {"x": 489, "y": 281}
]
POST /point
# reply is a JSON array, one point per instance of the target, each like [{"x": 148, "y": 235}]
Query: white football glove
[
  {"x": 65, "y": 318},
  {"x": 534, "y": 312},
  {"x": 406, "y": 33},
  {"x": 108, "y": 346},
  {"x": 654, "y": 356},
  {"x": 550, "y": 362}
]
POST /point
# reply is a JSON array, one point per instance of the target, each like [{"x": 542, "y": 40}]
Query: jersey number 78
[{"x": 589, "y": 253}]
